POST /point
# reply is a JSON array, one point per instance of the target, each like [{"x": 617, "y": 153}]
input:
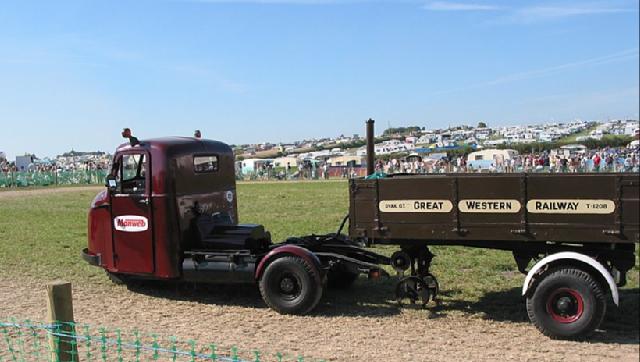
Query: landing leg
[{"x": 420, "y": 286}]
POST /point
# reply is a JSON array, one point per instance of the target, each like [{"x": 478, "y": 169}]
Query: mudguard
[
  {"x": 294, "y": 250},
  {"x": 570, "y": 255}
]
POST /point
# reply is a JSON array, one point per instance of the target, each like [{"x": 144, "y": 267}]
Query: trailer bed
[{"x": 462, "y": 209}]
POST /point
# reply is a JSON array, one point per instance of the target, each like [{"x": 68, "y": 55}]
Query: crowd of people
[{"x": 602, "y": 160}]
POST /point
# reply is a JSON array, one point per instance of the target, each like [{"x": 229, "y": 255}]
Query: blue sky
[{"x": 73, "y": 73}]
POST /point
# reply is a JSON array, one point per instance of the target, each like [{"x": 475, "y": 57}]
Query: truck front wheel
[
  {"x": 290, "y": 285},
  {"x": 567, "y": 303}
]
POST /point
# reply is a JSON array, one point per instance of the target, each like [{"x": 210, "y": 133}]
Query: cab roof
[{"x": 174, "y": 146}]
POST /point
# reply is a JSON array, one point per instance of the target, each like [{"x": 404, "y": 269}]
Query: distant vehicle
[
  {"x": 575, "y": 148},
  {"x": 250, "y": 165},
  {"x": 488, "y": 159},
  {"x": 436, "y": 156}
]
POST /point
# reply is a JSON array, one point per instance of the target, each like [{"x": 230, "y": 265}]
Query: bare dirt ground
[{"x": 353, "y": 325}]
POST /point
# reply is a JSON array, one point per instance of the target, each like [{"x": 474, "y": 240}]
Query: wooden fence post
[{"x": 60, "y": 310}]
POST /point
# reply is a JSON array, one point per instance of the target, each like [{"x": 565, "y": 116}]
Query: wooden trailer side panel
[
  {"x": 630, "y": 203},
  {"x": 572, "y": 208}
]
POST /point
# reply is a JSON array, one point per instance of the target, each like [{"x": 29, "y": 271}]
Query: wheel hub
[
  {"x": 287, "y": 285},
  {"x": 565, "y": 305}
]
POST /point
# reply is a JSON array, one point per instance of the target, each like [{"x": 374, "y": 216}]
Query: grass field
[{"x": 41, "y": 236}]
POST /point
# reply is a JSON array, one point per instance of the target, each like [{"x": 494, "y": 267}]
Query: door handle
[{"x": 144, "y": 201}]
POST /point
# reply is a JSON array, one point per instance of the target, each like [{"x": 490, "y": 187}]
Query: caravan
[{"x": 489, "y": 159}]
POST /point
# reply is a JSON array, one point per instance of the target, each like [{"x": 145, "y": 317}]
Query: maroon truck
[{"x": 169, "y": 212}]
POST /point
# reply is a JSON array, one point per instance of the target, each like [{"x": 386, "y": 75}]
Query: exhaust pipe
[{"x": 371, "y": 156}]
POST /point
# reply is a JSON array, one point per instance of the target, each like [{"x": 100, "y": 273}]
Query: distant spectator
[{"x": 596, "y": 162}]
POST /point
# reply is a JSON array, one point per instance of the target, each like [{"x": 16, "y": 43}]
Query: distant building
[
  {"x": 24, "y": 162},
  {"x": 350, "y": 161}
]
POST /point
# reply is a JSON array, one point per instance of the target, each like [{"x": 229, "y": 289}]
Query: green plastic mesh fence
[
  {"x": 50, "y": 178},
  {"x": 36, "y": 341}
]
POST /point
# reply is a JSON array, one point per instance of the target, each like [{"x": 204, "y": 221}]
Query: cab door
[{"x": 131, "y": 214}]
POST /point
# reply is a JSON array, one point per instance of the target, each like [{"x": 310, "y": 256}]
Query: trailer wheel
[
  {"x": 290, "y": 285},
  {"x": 568, "y": 303}
]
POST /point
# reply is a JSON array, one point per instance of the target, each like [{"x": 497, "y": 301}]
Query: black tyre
[
  {"x": 340, "y": 278},
  {"x": 567, "y": 303},
  {"x": 290, "y": 285}
]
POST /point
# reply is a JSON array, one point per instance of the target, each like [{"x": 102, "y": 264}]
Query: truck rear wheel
[
  {"x": 567, "y": 303},
  {"x": 290, "y": 285}
]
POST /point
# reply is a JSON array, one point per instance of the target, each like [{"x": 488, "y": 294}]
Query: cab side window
[
  {"x": 207, "y": 163},
  {"x": 132, "y": 174}
]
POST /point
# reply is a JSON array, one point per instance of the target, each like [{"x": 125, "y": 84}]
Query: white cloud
[
  {"x": 628, "y": 54},
  {"x": 605, "y": 59},
  {"x": 458, "y": 6},
  {"x": 538, "y": 13}
]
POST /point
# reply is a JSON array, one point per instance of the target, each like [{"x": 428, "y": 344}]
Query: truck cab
[{"x": 161, "y": 194}]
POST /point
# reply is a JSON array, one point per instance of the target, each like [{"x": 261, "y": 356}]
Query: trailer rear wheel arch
[{"x": 570, "y": 259}]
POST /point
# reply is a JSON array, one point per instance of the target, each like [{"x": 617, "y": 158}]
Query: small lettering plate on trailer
[
  {"x": 561, "y": 206},
  {"x": 131, "y": 223},
  {"x": 503, "y": 206},
  {"x": 415, "y": 206}
]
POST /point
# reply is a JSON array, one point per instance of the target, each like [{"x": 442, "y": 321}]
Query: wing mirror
[{"x": 111, "y": 183}]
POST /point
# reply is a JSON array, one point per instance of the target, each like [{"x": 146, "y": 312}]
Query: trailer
[
  {"x": 581, "y": 230},
  {"x": 169, "y": 212}
]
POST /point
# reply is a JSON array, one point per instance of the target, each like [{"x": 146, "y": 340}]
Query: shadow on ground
[
  {"x": 621, "y": 324},
  {"x": 365, "y": 298},
  {"x": 376, "y": 299},
  {"x": 241, "y": 295}
]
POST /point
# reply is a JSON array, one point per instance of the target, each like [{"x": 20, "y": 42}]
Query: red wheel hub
[{"x": 565, "y": 305}]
